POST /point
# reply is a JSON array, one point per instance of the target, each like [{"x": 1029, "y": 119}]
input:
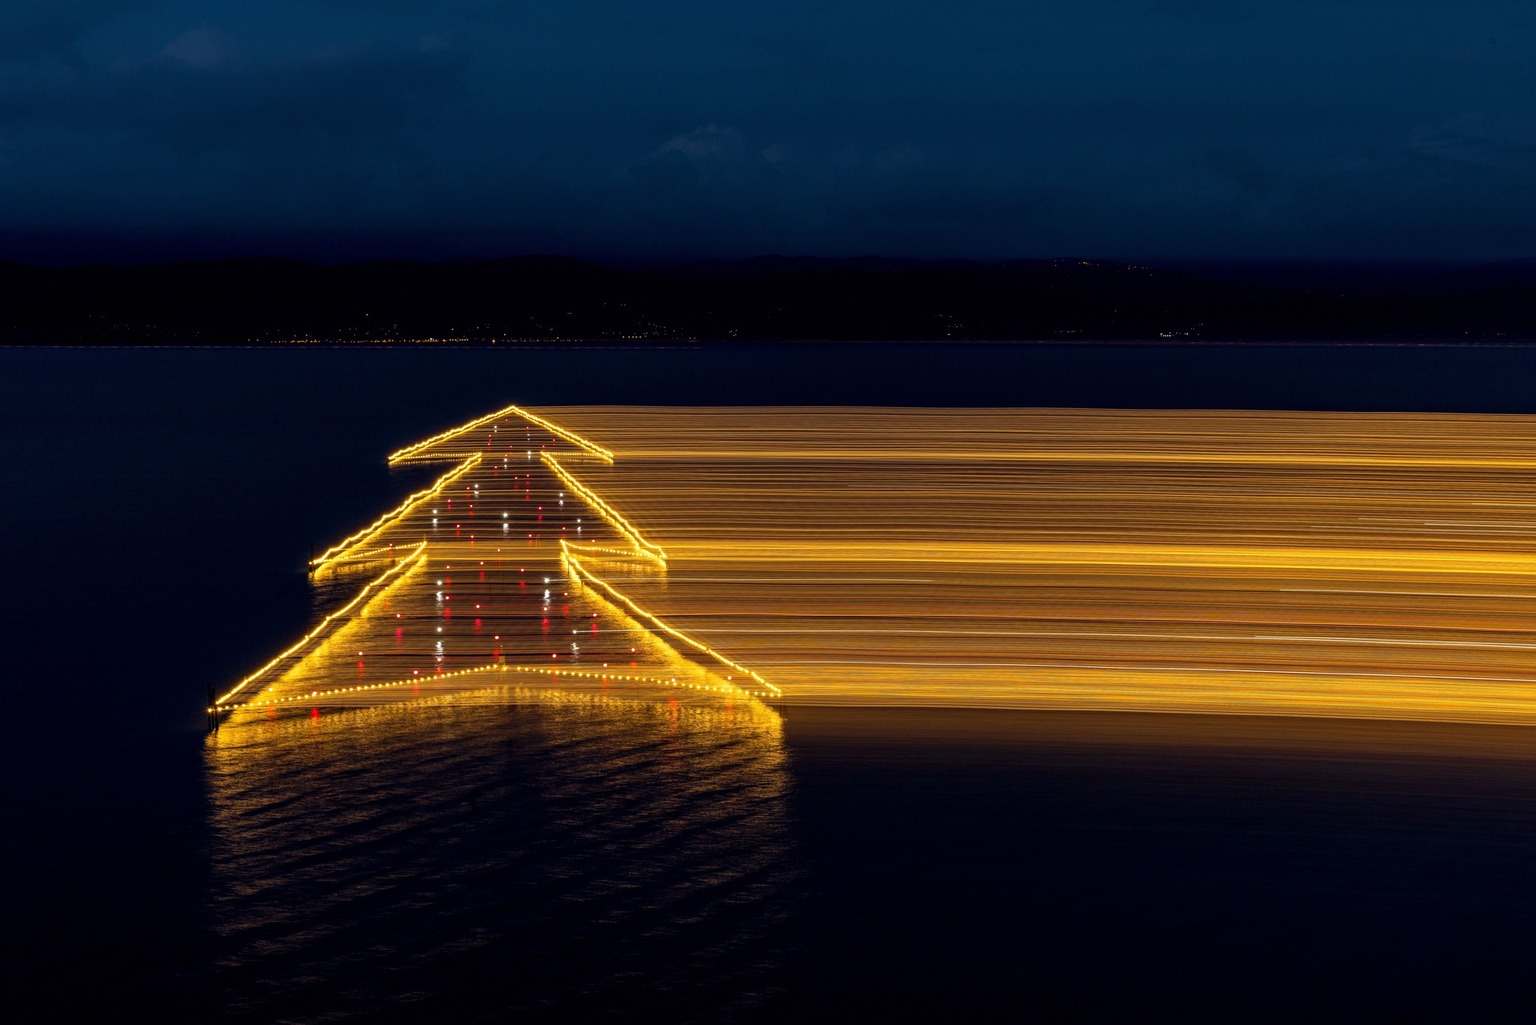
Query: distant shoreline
[{"x": 547, "y": 301}]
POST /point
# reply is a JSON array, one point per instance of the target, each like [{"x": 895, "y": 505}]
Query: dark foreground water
[{"x": 565, "y": 857}]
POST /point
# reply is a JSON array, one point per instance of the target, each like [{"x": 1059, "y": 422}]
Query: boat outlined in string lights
[{"x": 466, "y": 515}]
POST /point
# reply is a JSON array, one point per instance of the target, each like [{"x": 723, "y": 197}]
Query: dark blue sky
[{"x": 666, "y": 129}]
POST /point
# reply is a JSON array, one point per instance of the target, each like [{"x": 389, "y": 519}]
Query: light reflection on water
[{"x": 463, "y": 860}]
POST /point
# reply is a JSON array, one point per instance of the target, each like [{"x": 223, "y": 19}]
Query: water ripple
[{"x": 435, "y": 862}]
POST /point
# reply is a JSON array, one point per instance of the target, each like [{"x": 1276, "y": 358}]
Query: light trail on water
[{"x": 1315, "y": 564}]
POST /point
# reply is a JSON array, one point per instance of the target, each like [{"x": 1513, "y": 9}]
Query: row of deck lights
[{"x": 496, "y": 667}]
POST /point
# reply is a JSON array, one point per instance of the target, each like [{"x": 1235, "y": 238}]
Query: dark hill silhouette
[{"x": 768, "y": 298}]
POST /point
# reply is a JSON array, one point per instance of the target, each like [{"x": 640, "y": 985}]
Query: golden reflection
[{"x": 498, "y": 809}]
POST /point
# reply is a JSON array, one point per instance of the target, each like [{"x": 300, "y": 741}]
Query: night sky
[{"x": 136, "y": 130}]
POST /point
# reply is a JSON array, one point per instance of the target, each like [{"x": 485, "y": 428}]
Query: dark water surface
[
  {"x": 562, "y": 856},
  {"x": 553, "y": 853}
]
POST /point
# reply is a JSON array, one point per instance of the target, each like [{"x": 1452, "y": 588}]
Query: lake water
[{"x": 558, "y": 856}]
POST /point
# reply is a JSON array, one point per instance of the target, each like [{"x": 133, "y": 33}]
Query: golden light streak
[
  {"x": 593, "y": 549},
  {"x": 1254, "y": 438},
  {"x": 585, "y": 575},
  {"x": 560, "y": 432},
  {"x": 1046, "y": 456},
  {"x": 401, "y": 455},
  {"x": 1277, "y": 557},
  {"x": 339, "y": 550},
  {"x": 1305, "y": 560},
  {"x": 416, "y": 556},
  {"x": 606, "y": 511}
]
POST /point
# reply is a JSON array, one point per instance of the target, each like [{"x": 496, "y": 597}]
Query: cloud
[
  {"x": 707, "y": 143},
  {"x": 193, "y": 136},
  {"x": 35, "y": 28},
  {"x": 192, "y": 97},
  {"x": 1127, "y": 126},
  {"x": 203, "y": 48},
  {"x": 1241, "y": 169},
  {"x": 1472, "y": 138},
  {"x": 699, "y": 164}
]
